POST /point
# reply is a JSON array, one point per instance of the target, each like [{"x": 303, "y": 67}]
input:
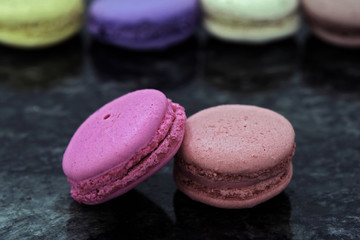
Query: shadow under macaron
[
  {"x": 130, "y": 216},
  {"x": 269, "y": 220},
  {"x": 167, "y": 69},
  {"x": 28, "y": 69},
  {"x": 331, "y": 69},
  {"x": 249, "y": 68}
]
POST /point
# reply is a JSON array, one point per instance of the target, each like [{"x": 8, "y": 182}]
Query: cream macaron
[{"x": 254, "y": 21}]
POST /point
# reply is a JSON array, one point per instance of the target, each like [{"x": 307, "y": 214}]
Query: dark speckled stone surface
[{"x": 46, "y": 94}]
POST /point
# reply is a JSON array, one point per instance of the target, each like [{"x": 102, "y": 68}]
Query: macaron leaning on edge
[
  {"x": 142, "y": 24},
  {"x": 337, "y": 22},
  {"x": 122, "y": 144},
  {"x": 39, "y": 23},
  {"x": 235, "y": 156},
  {"x": 253, "y": 21}
]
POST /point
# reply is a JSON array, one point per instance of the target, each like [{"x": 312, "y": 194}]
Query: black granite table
[{"x": 46, "y": 94}]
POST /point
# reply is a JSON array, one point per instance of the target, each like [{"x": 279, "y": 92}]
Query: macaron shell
[
  {"x": 271, "y": 191},
  {"x": 249, "y": 9},
  {"x": 31, "y": 11},
  {"x": 345, "y": 41},
  {"x": 119, "y": 130},
  {"x": 237, "y": 139},
  {"x": 20, "y": 38},
  {"x": 145, "y": 44},
  {"x": 130, "y": 12}
]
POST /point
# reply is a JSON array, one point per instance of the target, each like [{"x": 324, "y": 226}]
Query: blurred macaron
[
  {"x": 39, "y": 23},
  {"x": 336, "y": 22},
  {"x": 252, "y": 21},
  {"x": 143, "y": 24}
]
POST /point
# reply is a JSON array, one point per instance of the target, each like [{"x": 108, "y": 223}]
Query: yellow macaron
[{"x": 39, "y": 23}]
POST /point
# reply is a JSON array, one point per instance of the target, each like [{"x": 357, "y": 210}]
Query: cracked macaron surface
[
  {"x": 122, "y": 144},
  {"x": 235, "y": 156}
]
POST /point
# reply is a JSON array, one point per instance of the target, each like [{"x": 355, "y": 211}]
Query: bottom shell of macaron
[{"x": 232, "y": 194}]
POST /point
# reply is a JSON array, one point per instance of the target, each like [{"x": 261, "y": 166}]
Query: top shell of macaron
[
  {"x": 20, "y": 11},
  {"x": 250, "y": 9},
  {"x": 115, "y": 133},
  {"x": 345, "y": 12},
  {"x": 237, "y": 139},
  {"x": 140, "y": 10}
]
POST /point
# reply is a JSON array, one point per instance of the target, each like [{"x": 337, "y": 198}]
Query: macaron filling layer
[
  {"x": 243, "y": 193},
  {"x": 39, "y": 29},
  {"x": 255, "y": 32},
  {"x": 232, "y": 186},
  {"x": 100, "y": 187},
  {"x": 251, "y": 23}
]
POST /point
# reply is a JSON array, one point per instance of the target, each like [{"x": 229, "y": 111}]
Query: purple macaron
[{"x": 143, "y": 24}]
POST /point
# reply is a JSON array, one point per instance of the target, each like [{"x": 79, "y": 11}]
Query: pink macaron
[
  {"x": 337, "y": 22},
  {"x": 122, "y": 144},
  {"x": 235, "y": 156}
]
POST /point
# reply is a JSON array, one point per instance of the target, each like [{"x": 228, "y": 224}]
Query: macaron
[
  {"x": 235, "y": 156},
  {"x": 122, "y": 144},
  {"x": 39, "y": 23},
  {"x": 253, "y": 21},
  {"x": 336, "y": 22},
  {"x": 142, "y": 24}
]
